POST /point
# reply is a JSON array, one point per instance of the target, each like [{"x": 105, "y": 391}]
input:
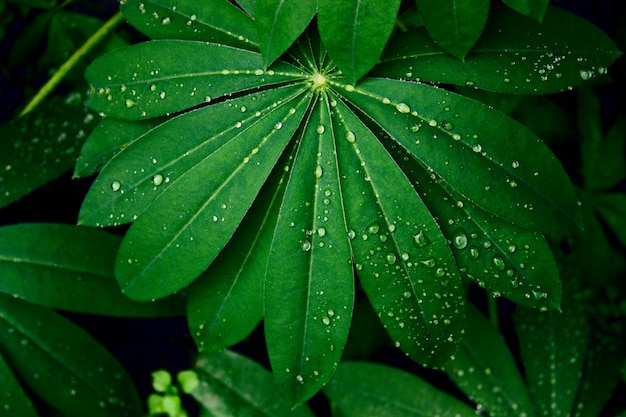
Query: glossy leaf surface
[{"x": 13, "y": 397}]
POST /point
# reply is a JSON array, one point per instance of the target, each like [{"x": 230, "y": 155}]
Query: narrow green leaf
[
  {"x": 455, "y": 25},
  {"x": 12, "y": 397},
  {"x": 226, "y": 302},
  {"x": 501, "y": 257},
  {"x": 403, "y": 261},
  {"x": 235, "y": 386},
  {"x": 612, "y": 209},
  {"x": 534, "y": 9},
  {"x": 309, "y": 288},
  {"x": 479, "y": 152},
  {"x": 144, "y": 169},
  {"x": 195, "y": 226},
  {"x": 42, "y": 145},
  {"x": 355, "y": 32},
  {"x": 279, "y": 23},
  {"x": 62, "y": 364},
  {"x": 216, "y": 21},
  {"x": 514, "y": 55},
  {"x": 247, "y": 5},
  {"x": 109, "y": 138},
  {"x": 165, "y": 76},
  {"x": 69, "y": 268},
  {"x": 553, "y": 346},
  {"x": 364, "y": 389},
  {"x": 485, "y": 370}
]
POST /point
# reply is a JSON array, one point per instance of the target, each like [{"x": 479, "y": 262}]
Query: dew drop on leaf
[
  {"x": 420, "y": 239},
  {"x": 460, "y": 239},
  {"x": 403, "y": 108},
  {"x": 157, "y": 179},
  {"x": 373, "y": 228},
  {"x": 116, "y": 185}
]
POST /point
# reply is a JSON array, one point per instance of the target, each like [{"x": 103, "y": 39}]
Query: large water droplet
[
  {"x": 350, "y": 137},
  {"x": 116, "y": 185},
  {"x": 420, "y": 239},
  {"x": 391, "y": 258},
  {"x": 318, "y": 172},
  {"x": 306, "y": 246},
  {"x": 403, "y": 108},
  {"x": 157, "y": 179},
  {"x": 373, "y": 228},
  {"x": 429, "y": 263},
  {"x": 460, "y": 239},
  {"x": 498, "y": 263}
]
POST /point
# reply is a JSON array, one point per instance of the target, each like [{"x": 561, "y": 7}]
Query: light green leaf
[
  {"x": 165, "y": 76},
  {"x": 514, "y": 55},
  {"x": 196, "y": 225},
  {"x": 148, "y": 166},
  {"x": 108, "y": 138},
  {"x": 553, "y": 346},
  {"x": 455, "y": 25},
  {"x": 62, "y": 364},
  {"x": 534, "y": 9},
  {"x": 363, "y": 389},
  {"x": 309, "y": 287},
  {"x": 42, "y": 145},
  {"x": 517, "y": 179},
  {"x": 226, "y": 302},
  {"x": 247, "y": 5},
  {"x": 279, "y": 23},
  {"x": 403, "y": 261},
  {"x": 355, "y": 32},
  {"x": 69, "y": 268},
  {"x": 232, "y": 385},
  {"x": 485, "y": 370},
  {"x": 216, "y": 21},
  {"x": 12, "y": 397}
]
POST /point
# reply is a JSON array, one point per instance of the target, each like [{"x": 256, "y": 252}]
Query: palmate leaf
[{"x": 514, "y": 55}]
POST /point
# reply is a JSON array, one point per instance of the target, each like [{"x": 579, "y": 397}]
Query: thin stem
[
  {"x": 492, "y": 305},
  {"x": 68, "y": 65}
]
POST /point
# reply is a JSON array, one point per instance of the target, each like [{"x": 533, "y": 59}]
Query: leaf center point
[{"x": 318, "y": 82}]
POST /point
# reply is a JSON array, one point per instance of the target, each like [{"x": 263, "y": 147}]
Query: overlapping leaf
[
  {"x": 535, "y": 9},
  {"x": 13, "y": 396},
  {"x": 514, "y": 55}
]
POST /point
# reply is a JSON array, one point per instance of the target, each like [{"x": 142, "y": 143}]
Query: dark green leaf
[
  {"x": 160, "y": 77},
  {"x": 485, "y": 370},
  {"x": 514, "y": 55},
  {"x": 12, "y": 397},
  {"x": 309, "y": 288},
  {"x": 402, "y": 259},
  {"x": 216, "y": 21},
  {"x": 455, "y": 25},
  {"x": 62, "y": 364},
  {"x": 42, "y": 145},
  {"x": 545, "y": 118},
  {"x": 235, "y": 386},
  {"x": 279, "y": 23},
  {"x": 460, "y": 140},
  {"x": 362, "y": 389},
  {"x": 553, "y": 346},
  {"x": 195, "y": 226},
  {"x": 247, "y": 5},
  {"x": 355, "y": 32},
  {"x": 68, "y": 268},
  {"x": 612, "y": 209},
  {"x": 535, "y": 9}
]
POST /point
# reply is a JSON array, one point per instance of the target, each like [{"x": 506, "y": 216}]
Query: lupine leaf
[
  {"x": 362, "y": 389},
  {"x": 514, "y": 55},
  {"x": 309, "y": 288},
  {"x": 355, "y": 32},
  {"x": 69, "y": 268},
  {"x": 535, "y": 9},
  {"x": 279, "y": 23},
  {"x": 612, "y": 209},
  {"x": 165, "y": 76},
  {"x": 455, "y": 25},
  {"x": 12, "y": 396},
  {"x": 216, "y": 21},
  {"x": 232, "y": 385},
  {"x": 62, "y": 364},
  {"x": 485, "y": 370}
]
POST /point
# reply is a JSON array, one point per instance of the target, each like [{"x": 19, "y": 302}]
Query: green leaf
[
  {"x": 553, "y": 346},
  {"x": 362, "y": 389},
  {"x": 309, "y": 298},
  {"x": 279, "y": 23},
  {"x": 235, "y": 386},
  {"x": 485, "y": 370},
  {"x": 514, "y": 55},
  {"x": 403, "y": 261},
  {"x": 12, "y": 397},
  {"x": 165, "y": 76},
  {"x": 517, "y": 179},
  {"x": 612, "y": 209},
  {"x": 455, "y": 25},
  {"x": 534, "y": 9},
  {"x": 62, "y": 364},
  {"x": 195, "y": 226},
  {"x": 355, "y": 32},
  {"x": 216, "y": 21},
  {"x": 247, "y": 5},
  {"x": 226, "y": 302},
  {"x": 37, "y": 260},
  {"x": 41, "y": 145}
]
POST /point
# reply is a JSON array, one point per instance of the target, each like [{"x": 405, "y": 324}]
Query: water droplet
[
  {"x": 162, "y": 95},
  {"x": 515, "y": 164},
  {"x": 351, "y": 234},
  {"x": 278, "y": 125},
  {"x": 585, "y": 75},
  {"x": 420, "y": 239},
  {"x": 474, "y": 253},
  {"x": 130, "y": 103},
  {"x": 460, "y": 239},
  {"x": 321, "y": 232},
  {"x": 306, "y": 246},
  {"x": 116, "y": 185},
  {"x": 403, "y": 108},
  {"x": 429, "y": 263},
  {"x": 498, "y": 263},
  {"x": 447, "y": 125},
  {"x": 318, "y": 172},
  {"x": 166, "y": 21},
  {"x": 407, "y": 294},
  {"x": 320, "y": 129},
  {"x": 300, "y": 379},
  {"x": 391, "y": 258},
  {"x": 350, "y": 137},
  {"x": 373, "y": 228},
  {"x": 477, "y": 148},
  {"x": 405, "y": 256},
  {"x": 512, "y": 184},
  {"x": 157, "y": 179},
  {"x": 326, "y": 320}
]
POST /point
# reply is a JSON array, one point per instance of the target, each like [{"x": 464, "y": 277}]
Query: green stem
[
  {"x": 68, "y": 65},
  {"x": 492, "y": 305}
]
